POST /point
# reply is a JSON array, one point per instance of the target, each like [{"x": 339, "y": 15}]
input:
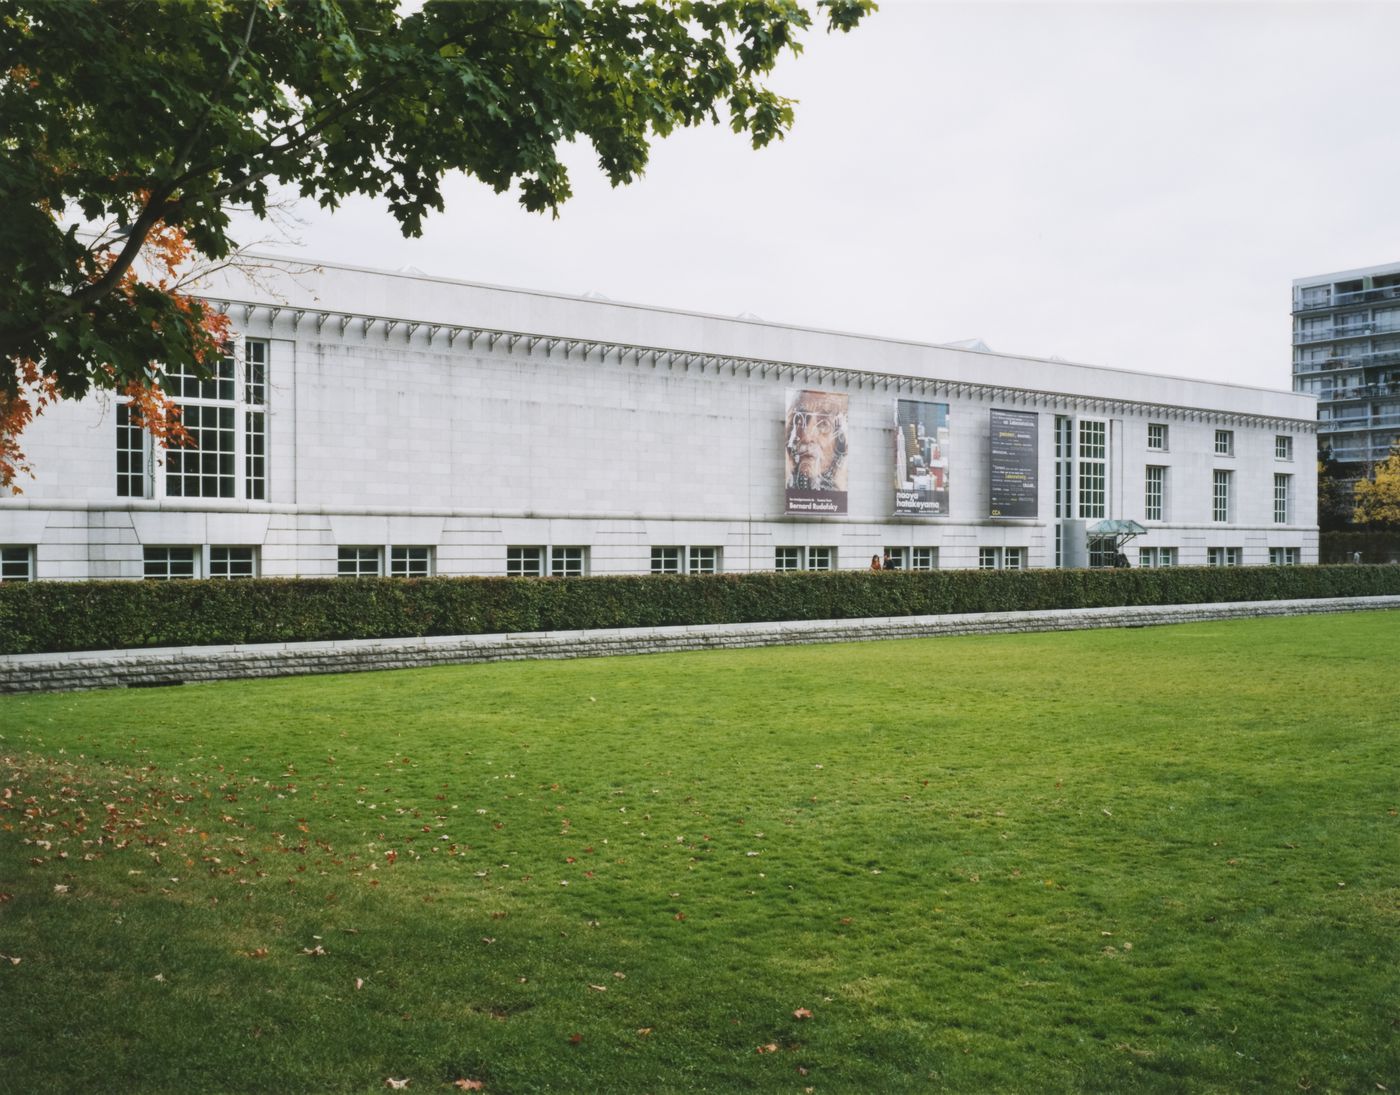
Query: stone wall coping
[{"x": 88, "y": 669}]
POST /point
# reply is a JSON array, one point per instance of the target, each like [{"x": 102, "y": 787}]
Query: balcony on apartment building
[{"x": 1347, "y": 299}]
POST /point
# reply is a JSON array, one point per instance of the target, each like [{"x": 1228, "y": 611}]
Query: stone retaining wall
[{"x": 179, "y": 665}]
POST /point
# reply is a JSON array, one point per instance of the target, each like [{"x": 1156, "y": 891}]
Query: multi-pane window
[
  {"x": 16, "y": 564},
  {"x": 989, "y": 558},
  {"x": 255, "y": 417},
  {"x": 787, "y": 558},
  {"x": 1014, "y": 558},
  {"x": 1093, "y": 468},
  {"x": 359, "y": 562},
  {"x": 924, "y": 558},
  {"x": 1223, "y": 556},
  {"x": 896, "y": 558},
  {"x": 162, "y": 563},
  {"x": 525, "y": 562},
  {"x": 567, "y": 562},
  {"x": 1283, "y": 447},
  {"x": 704, "y": 560},
  {"x": 233, "y": 562},
  {"x": 1157, "y": 436},
  {"x": 227, "y": 425},
  {"x": 995, "y": 558},
  {"x": 205, "y": 468},
  {"x": 821, "y": 558},
  {"x": 666, "y": 560},
  {"x": 1220, "y": 495},
  {"x": 1283, "y": 556},
  {"x": 410, "y": 562},
  {"x": 1224, "y": 442},
  {"x": 1157, "y": 557},
  {"x": 1156, "y": 490},
  {"x": 1283, "y": 498},
  {"x": 131, "y": 455}
]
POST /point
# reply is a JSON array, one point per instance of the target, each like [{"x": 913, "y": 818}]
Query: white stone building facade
[{"x": 370, "y": 422}]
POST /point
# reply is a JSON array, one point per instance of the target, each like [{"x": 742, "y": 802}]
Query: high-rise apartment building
[{"x": 1346, "y": 351}]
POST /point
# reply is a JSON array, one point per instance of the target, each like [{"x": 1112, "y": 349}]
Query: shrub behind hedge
[{"x": 41, "y": 617}]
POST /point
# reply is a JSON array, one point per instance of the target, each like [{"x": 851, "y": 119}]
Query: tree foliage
[
  {"x": 146, "y": 120},
  {"x": 1378, "y": 498}
]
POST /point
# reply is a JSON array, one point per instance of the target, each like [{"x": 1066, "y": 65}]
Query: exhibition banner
[
  {"x": 920, "y": 458},
  {"x": 815, "y": 449},
  {"x": 1015, "y": 454}
]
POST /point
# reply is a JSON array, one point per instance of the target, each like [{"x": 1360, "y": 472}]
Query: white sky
[{"x": 1132, "y": 185}]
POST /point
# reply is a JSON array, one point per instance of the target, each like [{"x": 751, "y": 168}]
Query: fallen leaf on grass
[
  {"x": 644, "y": 1031},
  {"x": 801, "y": 1013},
  {"x": 397, "y": 1085},
  {"x": 575, "y": 1039},
  {"x": 258, "y": 952},
  {"x": 317, "y": 951},
  {"x": 599, "y": 988},
  {"x": 11, "y": 959},
  {"x": 359, "y": 983},
  {"x": 771, "y": 1047},
  {"x": 469, "y": 1085}
]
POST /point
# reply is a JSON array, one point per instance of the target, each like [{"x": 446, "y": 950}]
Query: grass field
[{"x": 1143, "y": 860}]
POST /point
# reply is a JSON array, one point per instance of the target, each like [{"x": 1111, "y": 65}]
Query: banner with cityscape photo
[
  {"x": 920, "y": 458},
  {"x": 815, "y": 448}
]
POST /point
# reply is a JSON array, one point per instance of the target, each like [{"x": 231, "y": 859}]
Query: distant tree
[
  {"x": 1334, "y": 493},
  {"x": 146, "y": 120},
  {"x": 1378, "y": 498}
]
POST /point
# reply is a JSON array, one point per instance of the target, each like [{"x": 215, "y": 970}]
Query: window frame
[
  {"x": 1222, "y": 495},
  {"x": 354, "y": 560},
  {"x": 923, "y": 558},
  {"x": 1158, "y": 437},
  {"x": 1154, "y": 492},
  {"x": 1224, "y": 442},
  {"x": 12, "y": 558},
  {"x": 225, "y": 565},
  {"x": 411, "y": 561},
  {"x": 155, "y": 557}
]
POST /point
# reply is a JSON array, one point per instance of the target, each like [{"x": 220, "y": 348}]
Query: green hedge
[{"x": 38, "y": 617}]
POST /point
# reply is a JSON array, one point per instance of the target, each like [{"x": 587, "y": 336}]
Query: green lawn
[{"x": 1143, "y": 860}]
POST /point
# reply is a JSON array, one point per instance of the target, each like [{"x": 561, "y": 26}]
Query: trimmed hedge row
[{"x": 41, "y": 617}]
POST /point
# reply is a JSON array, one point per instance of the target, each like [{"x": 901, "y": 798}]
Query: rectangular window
[
  {"x": 410, "y": 562},
  {"x": 1223, "y": 556},
  {"x": 895, "y": 558},
  {"x": 1283, "y": 556},
  {"x": 359, "y": 562},
  {"x": 1156, "y": 484},
  {"x": 255, "y": 453},
  {"x": 525, "y": 562},
  {"x": 1157, "y": 557},
  {"x": 1093, "y": 468},
  {"x": 1157, "y": 436},
  {"x": 204, "y": 469},
  {"x": 185, "y": 383},
  {"x": 567, "y": 562},
  {"x": 787, "y": 558},
  {"x": 255, "y": 372},
  {"x": 666, "y": 560},
  {"x": 16, "y": 564},
  {"x": 1283, "y": 498},
  {"x": 1224, "y": 442},
  {"x": 1015, "y": 558},
  {"x": 233, "y": 562},
  {"x": 821, "y": 558},
  {"x": 131, "y": 455},
  {"x": 1283, "y": 447},
  {"x": 162, "y": 563},
  {"x": 1220, "y": 495},
  {"x": 1166, "y": 557},
  {"x": 1147, "y": 557},
  {"x": 989, "y": 558},
  {"x": 704, "y": 560},
  {"x": 1064, "y": 466},
  {"x": 924, "y": 558}
]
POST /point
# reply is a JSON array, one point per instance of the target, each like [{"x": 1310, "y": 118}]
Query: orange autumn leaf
[
  {"x": 469, "y": 1085},
  {"x": 801, "y": 1013},
  {"x": 771, "y": 1047}
]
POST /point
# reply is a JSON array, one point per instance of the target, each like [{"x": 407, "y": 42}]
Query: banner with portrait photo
[
  {"x": 816, "y": 446},
  {"x": 920, "y": 458}
]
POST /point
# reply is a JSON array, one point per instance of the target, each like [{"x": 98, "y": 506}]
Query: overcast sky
[{"x": 1132, "y": 185}]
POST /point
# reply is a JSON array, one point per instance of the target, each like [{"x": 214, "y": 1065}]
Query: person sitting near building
[{"x": 875, "y": 562}]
